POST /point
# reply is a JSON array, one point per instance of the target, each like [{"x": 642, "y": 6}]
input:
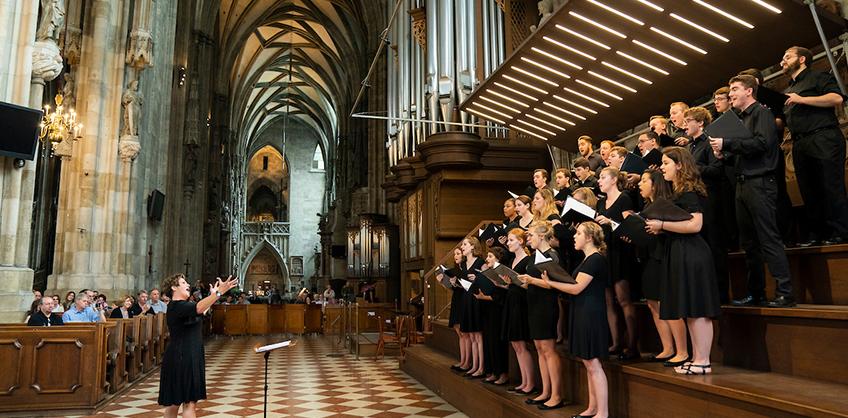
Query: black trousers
[
  {"x": 758, "y": 235},
  {"x": 820, "y": 168}
]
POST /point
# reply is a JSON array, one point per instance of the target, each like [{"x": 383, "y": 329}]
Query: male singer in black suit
[
  {"x": 584, "y": 145},
  {"x": 756, "y": 192},
  {"x": 585, "y": 178},
  {"x": 818, "y": 148},
  {"x": 649, "y": 146}
]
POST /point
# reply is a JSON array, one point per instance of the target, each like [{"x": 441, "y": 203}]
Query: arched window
[{"x": 318, "y": 159}]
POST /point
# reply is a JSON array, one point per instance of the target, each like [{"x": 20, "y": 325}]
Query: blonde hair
[
  {"x": 588, "y": 196},
  {"x": 543, "y": 228},
  {"x": 477, "y": 247},
  {"x": 550, "y": 206},
  {"x": 620, "y": 178},
  {"x": 620, "y": 151},
  {"x": 596, "y": 234}
]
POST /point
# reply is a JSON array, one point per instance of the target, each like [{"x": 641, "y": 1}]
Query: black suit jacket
[{"x": 38, "y": 319}]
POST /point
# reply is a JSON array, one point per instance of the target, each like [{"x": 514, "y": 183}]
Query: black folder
[
  {"x": 489, "y": 232},
  {"x": 728, "y": 125},
  {"x": 633, "y": 164},
  {"x": 665, "y": 210},
  {"x": 494, "y": 274},
  {"x": 576, "y": 211},
  {"x": 554, "y": 270},
  {"x": 666, "y": 140},
  {"x": 447, "y": 274},
  {"x": 484, "y": 283},
  {"x": 633, "y": 228}
]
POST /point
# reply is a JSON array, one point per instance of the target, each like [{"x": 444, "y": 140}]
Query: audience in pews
[
  {"x": 69, "y": 299},
  {"x": 585, "y": 146},
  {"x": 81, "y": 311},
  {"x": 57, "y": 307},
  {"x": 124, "y": 311},
  {"x": 43, "y": 316},
  {"x": 140, "y": 306},
  {"x": 157, "y": 305}
]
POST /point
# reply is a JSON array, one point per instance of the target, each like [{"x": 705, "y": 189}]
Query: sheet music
[
  {"x": 541, "y": 258},
  {"x": 465, "y": 283},
  {"x": 275, "y": 346},
  {"x": 512, "y": 194},
  {"x": 577, "y": 206}
]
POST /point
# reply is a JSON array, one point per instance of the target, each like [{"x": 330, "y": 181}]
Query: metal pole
[
  {"x": 356, "y": 322},
  {"x": 812, "y": 5},
  {"x": 383, "y": 41},
  {"x": 365, "y": 115}
]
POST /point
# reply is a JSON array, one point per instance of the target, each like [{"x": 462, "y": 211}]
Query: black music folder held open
[
  {"x": 633, "y": 228},
  {"x": 554, "y": 270},
  {"x": 728, "y": 125},
  {"x": 576, "y": 211},
  {"x": 665, "y": 210}
]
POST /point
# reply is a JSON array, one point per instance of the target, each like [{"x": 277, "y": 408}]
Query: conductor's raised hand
[{"x": 223, "y": 286}]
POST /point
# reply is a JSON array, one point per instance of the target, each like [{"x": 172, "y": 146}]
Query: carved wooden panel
[
  {"x": 10, "y": 363},
  {"x": 235, "y": 322},
  {"x": 50, "y": 355},
  {"x": 257, "y": 319}
]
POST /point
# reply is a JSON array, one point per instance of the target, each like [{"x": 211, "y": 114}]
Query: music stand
[{"x": 267, "y": 349}]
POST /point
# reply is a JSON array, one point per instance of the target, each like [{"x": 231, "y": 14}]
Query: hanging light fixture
[{"x": 60, "y": 124}]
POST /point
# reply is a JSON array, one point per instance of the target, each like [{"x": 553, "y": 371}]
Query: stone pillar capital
[
  {"x": 128, "y": 148},
  {"x": 140, "y": 49},
  {"x": 46, "y": 61},
  {"x": 64, "y": 149}
]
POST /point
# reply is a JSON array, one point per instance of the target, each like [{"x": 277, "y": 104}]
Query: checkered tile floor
[{"x": 303, "y": 382}]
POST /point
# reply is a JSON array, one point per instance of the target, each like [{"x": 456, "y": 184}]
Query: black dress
[
  {"x": 654, "y": 266},
  {"x": 588, "y": 329},
  {"x": 620, "y": 255},
  {"x": 542, "y": 305},
  {"x": 183, "y": 372},
  {"x": 515, "y": 322},
  {"x": 689, "y": 288},
  {"x": 495, "y": 348},
  {"x": 457, "y": 295},
  {"x": 471, "y": 319}
]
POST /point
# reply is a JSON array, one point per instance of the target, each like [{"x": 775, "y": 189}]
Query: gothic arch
[{"x": 265, "y": 244}]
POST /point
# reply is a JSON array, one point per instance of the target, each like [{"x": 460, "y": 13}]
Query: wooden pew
[
  {"x": 116, "y": 362},
  {"x": 164, "y": 337},
  {"x": 60, "y": 368},
  {"x": 133, "y": 351},
  {"x": 145, "y": 342},
  {"x": 155, "y": 338}
]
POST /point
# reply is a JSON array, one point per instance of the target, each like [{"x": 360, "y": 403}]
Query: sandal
[{"x": 687, "y": 369}]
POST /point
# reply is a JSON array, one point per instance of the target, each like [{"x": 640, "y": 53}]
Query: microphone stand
[{"x": 265, "y": 405}]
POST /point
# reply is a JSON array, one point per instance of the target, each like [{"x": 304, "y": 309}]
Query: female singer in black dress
[
  {"x": 689, "y": 289},
  {"x": 543, "y": 312},
  {"x": 672, "y": 333},
  {"x": 515, "y": 324},
  {"x": 524, "y": 212},
  {"x": 588, "y": 335},
  {"x": 183, "y": 373},
  {"x": 495, "y": 348},
  {"x": 611, "y": 208},
  {"x": 471, "y": 320},
  {"x": 457, "y": 293}
]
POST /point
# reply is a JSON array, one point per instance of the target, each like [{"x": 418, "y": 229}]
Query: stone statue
[
  {"x": 546, "y": 9},
  {"x": 131, "y": 101},
  {"x": 68, "y": 88},
  {"x": 46, "y": 61},
  {"x": 52, "y": 20}
]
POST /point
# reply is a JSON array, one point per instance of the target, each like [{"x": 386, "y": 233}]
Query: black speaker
[
  {"x": 339, "y": 251},
  {"x": 19, "y": 128},
  {"x": 155, "y": 205}
]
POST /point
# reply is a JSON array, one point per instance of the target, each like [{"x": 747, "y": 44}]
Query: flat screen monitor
[{"x": 18, "y": 131}]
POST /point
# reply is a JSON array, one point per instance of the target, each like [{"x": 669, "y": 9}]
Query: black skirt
[
  {"x": 456, "y": 306},
  {"x": 588, "y": 329},
  {"x": 542, "y": 312},
  {"x": 689, "y": 288},
  {"x": 514, "y": 316}
]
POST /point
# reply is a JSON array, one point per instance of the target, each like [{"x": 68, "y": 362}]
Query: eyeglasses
[{"x": 720, "y": 99}]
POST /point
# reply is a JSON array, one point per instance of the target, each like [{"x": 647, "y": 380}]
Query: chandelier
[{"x": 59, "y": 125}]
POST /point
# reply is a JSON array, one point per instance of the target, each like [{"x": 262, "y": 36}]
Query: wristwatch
[{"x": 217, "y": 293}]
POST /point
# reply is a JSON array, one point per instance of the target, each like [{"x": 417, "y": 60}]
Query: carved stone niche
[
  {"x": 452, "y": 150},
  {"x": 404, "y": 174}
]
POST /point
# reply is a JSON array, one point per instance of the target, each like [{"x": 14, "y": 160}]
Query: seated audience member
[
  {"x": 37, "y": 295},
  {"x": 43, "y": 315},
  {"x": 584, "y": 145},
  {"x": 125, "y": 309},
  {"x": 57, "y": 307},
  {"x": 677, "y": 128},
  {"x": 540, "y": 181},
  {"x": 242, "y": 299},
  {"x": 156, "y": 303},
  {"x": 604, "y": 150},
  {"x": 585, "y": 176},
  {"x": 69, "y": 299},
  {"x": 329, "y": 294},
  {"x": 140, "y": 307},
  {"x": 81, "y": 311},
  {"x": 649, "y": 146}
]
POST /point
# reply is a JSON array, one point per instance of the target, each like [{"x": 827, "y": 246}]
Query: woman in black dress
[
  {"x": 545, "y": 209},
  {"x": 183, "y": 374},
  {"x": 471, "y": 319},
  {"x": 543, "y": 312},
  {"x": 689, "y": 288},
  {"x": 588, "y": 335},
  {"x": 525, "y": 214},
  {"x": 515, "y": 324},
  {"x": 457, "y": 293},
  {"x": 495, "y": 348},
  {"x": 672, "y": 333},
  {"x": 620, "y": 257}
]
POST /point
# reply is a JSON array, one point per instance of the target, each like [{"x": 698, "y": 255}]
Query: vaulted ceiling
[{"x": 303, "y": 58}]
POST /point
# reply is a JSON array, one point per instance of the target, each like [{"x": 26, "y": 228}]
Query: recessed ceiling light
[
  {"x": 517, "y": 128},
  {"x": 536, "y": 127},
  {"x": 566, "y": 111},
  {"x": 505, "y": 97},
  {"x": 599, "y": 90},
  {"x": 699, "y": 27},
  {"x": 587, "y": 97},
  {"x": 611, "y": 81},
  {"x": 617, "y": 12},
  {"x": 510, "y": 89},
  {"x": 638, "y": 61},
  {"x": 489, "y": 109},
  {"x": 570, "y": 48},
  {"x": 768, "y": 6},
  {"x": 554, "y": 57},
  {"x": 484, "y": 115},
  {"x": 725, "y": 14},
  {"x": 545, "y": 67},
  {"x": 545, "y": 122},
  {"x": 678, "y": 40},
  {"x": 575, "y": 104},
  {"x": 551, "y": 115},
  {"x": 582, "y": 36},
  {"x": 628, "y": 73},
  {"x": 497, "y": 103},
  {"x": 660, "y": 53},
  {"x": 651, "y": 5},
  {"x": 528, "y": 85},
  {"x": 537, "y": 77},
  {"x": 598, "y": 25}
]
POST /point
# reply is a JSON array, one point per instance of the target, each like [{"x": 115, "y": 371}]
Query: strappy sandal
[{"x": 687, "y": 369}]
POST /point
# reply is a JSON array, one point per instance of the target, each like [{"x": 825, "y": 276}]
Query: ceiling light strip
[
  {"x": 517, "y": 128},
  {"x": 627, "y": 73},
  {"x": 617, "y": 12},
  {"x": 611, "y": 81},
  {"x": 660, "y": 53},
  {"x": 484, "y": 115},
  {"x": 589, "y": 98},
  {"x": 678, "y": 40},
  {"x": 545, "y": 67},
  {"x": 551, "y": 115},
  {"x": 554, "y": 57},
  {"x": 700, "y": 28},
  {"x": 583, "y": 37},
  {"x": 768, "y": 6},
  {"x": 499, "y": 104},
  {"x": 643, "y": 63},
  {"x": 725, "y": 14},
  {"x": 651, "y": 5},
  {"x": 528, "y": 85},
  {"x": 537, "y": 77},
  {"x": 505, "y": 97},
  {"x": 598, "y": 24},
  {"x": 572, "y": 49},
  {"x": 546, "y": 122},
  {"x": 508, "y": 88},
  {"x": 489, "y": 109},
  {"x": 599, "y": 90},
  {"x": 575, "y": 104},
  {"x": 566, "y": 111},
  {"x": 551, "y": 133}
]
